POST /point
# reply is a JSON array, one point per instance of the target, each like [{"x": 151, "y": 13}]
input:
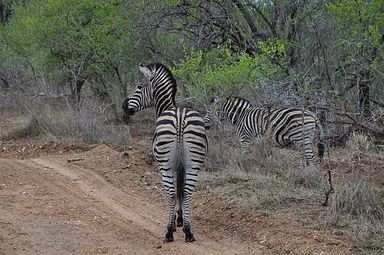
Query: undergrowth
[{"x": 270, "y": 179}]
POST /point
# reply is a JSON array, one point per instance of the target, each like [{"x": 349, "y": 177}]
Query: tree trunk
[
  {"x": 76, "y": 91},
  {"x": 364, "y": 103}
]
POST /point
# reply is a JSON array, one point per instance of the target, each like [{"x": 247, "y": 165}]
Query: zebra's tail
[
  {"x": 321, "y": 141},
  {"x": 180, "y": 183}
]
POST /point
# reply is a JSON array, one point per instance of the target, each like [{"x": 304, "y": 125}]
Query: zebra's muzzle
[{"x": 129, "y": 111}]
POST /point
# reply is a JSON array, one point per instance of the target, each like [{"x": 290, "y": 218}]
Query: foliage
[
  {"x": 87, "y": 40},
  {"x": 362, "y": 18},
  {"x": 221, "y": 71},
  {"x": 85, "y": 34},
  {"x": 360, "y": 45}
]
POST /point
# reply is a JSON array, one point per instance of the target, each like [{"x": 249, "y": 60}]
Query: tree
[
  {"x": 361, "y": 23},
  {"x": 76, "y": 44}
]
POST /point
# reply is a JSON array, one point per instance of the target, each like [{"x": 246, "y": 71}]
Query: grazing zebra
[
  {"x": 207, "y": 121},
  {"x": 285, "y": 125},
  {"x": 179, "y": 145}
]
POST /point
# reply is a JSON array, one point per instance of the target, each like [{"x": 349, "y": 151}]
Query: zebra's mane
[{"x": 157, "y": 66}]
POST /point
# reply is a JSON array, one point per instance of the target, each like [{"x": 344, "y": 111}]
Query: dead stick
[
  {"x": 75, "y": 159},
  {"x": 328, "y": 192}
]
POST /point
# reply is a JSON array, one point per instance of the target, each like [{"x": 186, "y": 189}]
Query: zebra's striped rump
[
  {"x": 180, "y": 146},
  {"x": 285, "y": 125}
]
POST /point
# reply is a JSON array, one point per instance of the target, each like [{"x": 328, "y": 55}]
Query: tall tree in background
[
  {"x": 70, "y": 45},
  {"x": 362, "y": 29}
]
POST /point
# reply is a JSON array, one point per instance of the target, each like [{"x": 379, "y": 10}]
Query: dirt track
[{"x": 51, "y": 206}]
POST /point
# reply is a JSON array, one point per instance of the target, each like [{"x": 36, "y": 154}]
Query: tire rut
[{"x": 130, "y": 211}]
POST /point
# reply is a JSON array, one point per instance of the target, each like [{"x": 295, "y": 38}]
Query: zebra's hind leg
[
  {"x": 186, "y": 223},
  {"x": 304, "y": 145},
  {"x": 171, "y": 217},
  {"x": 191, "y": 178},
  {"x": 171, "y": 197}
]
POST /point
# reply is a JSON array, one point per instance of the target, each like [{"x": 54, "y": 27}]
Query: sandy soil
[
  {"x": 86, "y": 199},
  {"x": 51, "y": 206}
]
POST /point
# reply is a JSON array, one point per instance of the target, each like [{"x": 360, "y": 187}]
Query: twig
[
  {"x": 379, "y": 103},
  {"x": 37, "y": 95},
  {"x": 328, "y": 192},
  {"x": 75, "y": 159},
  {"x": 375, "y": 130}
]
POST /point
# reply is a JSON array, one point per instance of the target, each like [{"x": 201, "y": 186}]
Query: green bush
[{"x": 222, "y": 72}]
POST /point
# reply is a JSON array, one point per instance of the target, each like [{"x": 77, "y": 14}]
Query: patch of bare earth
[
  {"x": 93, "y": 205},
  {"x": 86, "y": 199}
]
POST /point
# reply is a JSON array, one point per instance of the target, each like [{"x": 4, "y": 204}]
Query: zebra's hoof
[
  {"x": 188, "y": 235},
  {"x": 168, "y": 237},
  {"x": 189, "y": 238}
]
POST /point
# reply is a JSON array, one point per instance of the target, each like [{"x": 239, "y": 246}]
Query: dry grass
[
  {"x": 359, "y": 144},
  {"x": 266, "y": 178},
  {"x": 54, "y": 120},
  {"x": 19, "y": 127},
  {"x": 88, "y": 124},
  {"x": 259, "y": 178},
  {"x": 357, "y": 207}
]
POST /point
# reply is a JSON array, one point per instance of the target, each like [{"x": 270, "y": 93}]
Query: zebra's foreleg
[
  {"x": 244, "y": 144},
  {"x": 304, "y": 144},
  {"x": 308, "y": 149}
]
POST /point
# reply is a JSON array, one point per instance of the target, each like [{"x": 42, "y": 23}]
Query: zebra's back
[{"x": 286, "y": 125}]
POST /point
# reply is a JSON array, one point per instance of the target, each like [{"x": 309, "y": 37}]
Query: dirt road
[{"x": 51, "y": 206}]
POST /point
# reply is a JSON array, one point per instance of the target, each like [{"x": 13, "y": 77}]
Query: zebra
[
  {"x": 285, "y": 125},
  {"x": 210, "y": 115},
  {"x": 180, "y": 143},
  {"x": 207, "y": 121}
]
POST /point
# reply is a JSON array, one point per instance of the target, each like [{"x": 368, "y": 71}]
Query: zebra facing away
[
  {"x": 285, "y": 125},
  {"x": 179, "y": 145}
]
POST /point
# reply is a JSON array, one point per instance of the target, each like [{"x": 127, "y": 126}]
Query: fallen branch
[
  {"x": 379, "y": 103},
  {"x": 75, "y": 159},
  {"x": 373, "y": 129},
  {"x": 37, "y": 95},
  {"x": 328, "y": 192}
]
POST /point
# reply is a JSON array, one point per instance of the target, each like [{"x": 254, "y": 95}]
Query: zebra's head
[
  {"x": 163, "y": 85},
  {"x": 141, "y": 98}
]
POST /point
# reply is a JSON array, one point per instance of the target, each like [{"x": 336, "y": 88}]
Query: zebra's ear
[
  {"x": 214, "y": 99},
  {"x": 146, "y": 71}
]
